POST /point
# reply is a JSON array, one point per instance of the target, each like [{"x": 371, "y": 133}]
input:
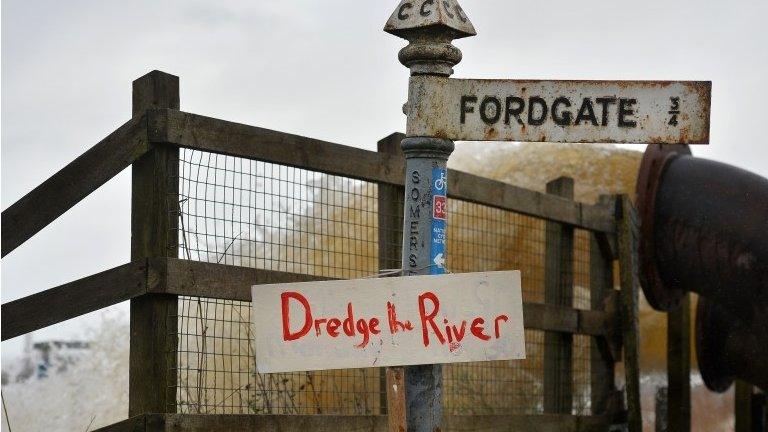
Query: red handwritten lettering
[
  {"x": 394, "y": 324},
  {"x": 374, "y": 325},
  {"x": 500, "y": 318},
  {"x": 287, "y": 335},
  {"x": 459, "y": 334},
  {"x": 333, "y": 327},
  {"x": 362, "y": 329},
  {"x": 477, "y": 329},
  {"x": 429, "y": 318},
  {"x": 349, "y": 322},
  {"x": 317, "y": 325}
]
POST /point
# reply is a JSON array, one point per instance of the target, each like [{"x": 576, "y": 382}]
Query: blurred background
[{"x": 326, "y": 70}]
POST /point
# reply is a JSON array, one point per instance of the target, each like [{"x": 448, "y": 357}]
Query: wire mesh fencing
[{"x": 267, "y": 216}]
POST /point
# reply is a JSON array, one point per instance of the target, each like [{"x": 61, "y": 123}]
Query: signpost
[
  {"x": 388, "y": 322},
  {"x": 560, "y": 111},
  {"x": 441, "y": 110},
  {"x": 434, "y": 318},
  {"x": 429, "y": 26}
]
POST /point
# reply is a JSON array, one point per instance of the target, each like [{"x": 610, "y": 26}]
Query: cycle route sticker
[{"x": 439, "y": 216}]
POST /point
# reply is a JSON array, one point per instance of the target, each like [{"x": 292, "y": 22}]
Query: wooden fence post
[
  {"x": 390, "y": 218},
  {"x": 628, "y": 269},
  {"x": 759, "y": 412},
  {"x": 154, "y": 209},
  {"x": 601, "y": 285},
  {"x": 390, "y": 201},
  {"x": 743, "y": 407},
  {"x": 558, "y": 290},
  {"x": 679, "y": 367},
  {"x": 662, "y": 409}
]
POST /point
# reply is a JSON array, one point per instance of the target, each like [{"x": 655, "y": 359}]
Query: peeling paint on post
[
  {"x": 425, "y": 205},
  {"x": 424, "y": 254},
  {"x": 429, "y": 26}
]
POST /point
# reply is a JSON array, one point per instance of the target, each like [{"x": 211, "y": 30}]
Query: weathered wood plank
[
  {"x": 558, "y": 290},
  {"x": 628, "y": 265},
  {"x": 390, "y": 207},
  {"x": 274, "y": 423},
  {"x": 760, "y": 411},
  {"x": 601, "y": 360},
  {"x": 154, "y": 215},
  {"x": 193, "y": 278},
  {"x": 51, "y": 199},
  {"x": 679, "y": 367},
  {"x": 226, "y": 282},
  {"x": 396, "y": 415},
  {"x": 528, "y": 423},
  {"x": 332, "y": 423},
  {"x": 133, "y": 424},
  {"x": 661, "y": 407},
  {"x": 235, "y": 139},
  {"x": 390, "y": 220},
  {"x": 73, "y": 299},
  {"x": 563, "y": 319},
  {"x": 743, "y": 407},
  {"x": 140, "y": 423},
  {"x": 497, "y": 194}
]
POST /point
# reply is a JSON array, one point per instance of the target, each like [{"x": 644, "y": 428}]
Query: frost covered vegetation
[
  {"x": 327, "y": 226},
  {"x": 89, "y": 394}
]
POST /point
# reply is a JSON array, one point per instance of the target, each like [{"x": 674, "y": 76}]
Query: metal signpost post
[
  {"x": 429, "y": 26},
  {"x": 441, "y": 109}
]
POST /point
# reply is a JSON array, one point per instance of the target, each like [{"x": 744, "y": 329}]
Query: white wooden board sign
[
  {"x": 388, "y": 322},
  {"x": 653, "y": 112}
]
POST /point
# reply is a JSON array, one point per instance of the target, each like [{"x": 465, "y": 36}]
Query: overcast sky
[{"x": 324, "y": 69}]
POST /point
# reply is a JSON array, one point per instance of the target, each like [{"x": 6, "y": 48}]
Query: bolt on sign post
[{"x": 441, "y": 109}]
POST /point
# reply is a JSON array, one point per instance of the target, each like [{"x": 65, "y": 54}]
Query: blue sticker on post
[{"x": 439, "y": 215}]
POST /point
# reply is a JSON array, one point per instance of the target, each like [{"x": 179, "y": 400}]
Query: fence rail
[
  {"x": 44, "y": 204},
  {"x": 128, "y": 143},
  {"x": 303, "y": 423},
  {"x": 234, "y": 139},
  {"x": 158, "y": 276}
]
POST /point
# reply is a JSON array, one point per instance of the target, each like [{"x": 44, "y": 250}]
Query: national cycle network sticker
[{"x": 439, "y": 215}]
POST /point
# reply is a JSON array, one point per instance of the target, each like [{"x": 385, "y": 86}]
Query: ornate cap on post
[{"x": 430, "y": 26}]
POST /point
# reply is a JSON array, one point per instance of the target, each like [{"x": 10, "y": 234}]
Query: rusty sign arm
[{"x": 560, "y": 111}]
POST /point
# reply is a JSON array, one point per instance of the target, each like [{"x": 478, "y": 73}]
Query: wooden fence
[{"x": 161, "y": 276}]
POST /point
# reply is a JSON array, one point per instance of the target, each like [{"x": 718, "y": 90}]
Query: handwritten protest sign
[{"x": 387, "y": 322}]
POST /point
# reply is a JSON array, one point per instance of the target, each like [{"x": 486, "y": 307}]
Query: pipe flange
[{"x": 655, "y": 160}]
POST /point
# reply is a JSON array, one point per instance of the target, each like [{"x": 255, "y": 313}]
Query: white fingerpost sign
[
  {"x": 560, "y": 111},
  {"x": 388, "y": 322}
]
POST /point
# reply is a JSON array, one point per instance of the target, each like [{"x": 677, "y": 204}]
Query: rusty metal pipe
[
  {"x": 704, "y": 228},
  {"x": 727, "y": 348}
]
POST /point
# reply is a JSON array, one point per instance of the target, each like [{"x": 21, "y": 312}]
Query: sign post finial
[{"x": 430, "y": 26}]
